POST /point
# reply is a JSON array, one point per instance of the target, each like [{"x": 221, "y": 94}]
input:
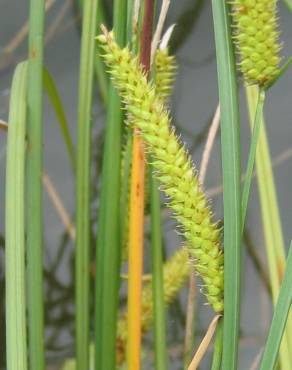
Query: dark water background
[{"x": 193, "y": 103}]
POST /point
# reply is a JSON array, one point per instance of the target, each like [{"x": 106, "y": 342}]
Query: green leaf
[
  {"x": 16, "y": 346},
  {"x": 83, "y": 181},
  {"x": 230, "y": 146},
  {"x": 279, "y": 320},
  {"x": 56, "y": 102},
  {"x": 252, "y": 155}
]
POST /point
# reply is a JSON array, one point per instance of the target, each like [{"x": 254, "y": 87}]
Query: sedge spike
[
  {"x": 257, "y": 39},
  {"x": 175, "y": 273},
  {"x": 173, "y": 166},
  {"x": 165, "y": 69}
]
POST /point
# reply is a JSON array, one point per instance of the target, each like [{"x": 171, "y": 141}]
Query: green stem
[
  {"x": 82, "y": 261},
  {"x": 230, "y": 144},
  {"x": 100, "y": 73},
  {"x": 108, "y": 249},
  {"x": 252, "y": 155},
  {"x": 16, "y": 346},
  {"x": 157, "y": 278},
  {"x": 34, "y": 169}
]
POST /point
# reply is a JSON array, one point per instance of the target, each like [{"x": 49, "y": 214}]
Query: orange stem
[{"x": 136, "y": 218}]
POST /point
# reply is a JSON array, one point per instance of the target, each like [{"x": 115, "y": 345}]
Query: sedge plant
[{"x": 135, "y": 96}]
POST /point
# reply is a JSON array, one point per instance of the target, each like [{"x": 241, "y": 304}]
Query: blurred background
[{"x": 193, "y": 104}]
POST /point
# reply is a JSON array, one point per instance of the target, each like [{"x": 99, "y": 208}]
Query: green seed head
[
  {"x": 175, "y": 273},
  {"x": 165, "y": 69},
  {"x": 256, "y": 36},
  {"x": 173, "y": 166}
]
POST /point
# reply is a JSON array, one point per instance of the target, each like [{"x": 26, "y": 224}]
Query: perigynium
[{"x": 173, "y": 166}]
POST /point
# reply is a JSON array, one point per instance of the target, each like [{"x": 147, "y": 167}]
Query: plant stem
[
  {"x": 16, "y": 346},
  {"x": 34, "y": 207},
  {"x": 136, "y": 241},
  {"x": 83, "y": 183},
  {"x": 108, "y": 249},
  {"x": 136, "y": 221},
  {"x": 100, "y": 73},
  {"x": 230, "y": 144}
]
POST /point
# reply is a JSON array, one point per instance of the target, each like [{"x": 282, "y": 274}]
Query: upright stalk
[
  {"x": 83, "y": 182},
  {"x": 34, "y": 207},
  {"x": 136, "y": 221},
  {"x": 230, "y": 144},
  {"x": 108, "y": 249}
]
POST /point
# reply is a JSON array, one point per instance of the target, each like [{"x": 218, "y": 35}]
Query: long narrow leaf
[
  {"x": 16, "y": 346},
  {"x": 279, "y": 319},
  {"x": 252, "y": 155},
  {"x": 230, "y": 145},
  {"x": 274, "y": 241},
  {"x": 83, "y": 183},
  {"x": 108, "y": 248},
  {"x": 56, "y": 102}
]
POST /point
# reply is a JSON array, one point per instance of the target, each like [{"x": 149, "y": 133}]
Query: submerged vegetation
[{"x": 141, "y": 155}]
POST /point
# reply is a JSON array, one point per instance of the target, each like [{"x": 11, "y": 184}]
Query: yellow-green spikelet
[
  {"x": 256, "y": 36},
  {"x": 173, "y": 166},
  {"x": 175, "y": 273},
  {"x": 165, "y": 69}
]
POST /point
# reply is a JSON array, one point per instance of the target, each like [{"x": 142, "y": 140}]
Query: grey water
[{"x": 193, "y": 103}]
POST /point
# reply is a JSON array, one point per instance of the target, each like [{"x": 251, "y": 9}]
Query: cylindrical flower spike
[
  {"x": 173, "y": 166},
  {"x": 175, "y": 273},
  {"x": 165, "y": 69},
  {"x": 256, "y": 36}
]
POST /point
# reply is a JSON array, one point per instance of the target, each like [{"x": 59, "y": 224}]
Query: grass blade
[
  {"x": 34, "y": 187},
  {"x": 279, "y": 319},
  {"x": 16, "y": 346},
  {"x": 108, "y": 249},
  {"x": 56, "y": 102},
  {"x": 230, "y": 145},
  {"x": 100, "y": 73},
  {"x": 252, "y": 155},
  {"x": 274, "y": 241},
  {"x": 82, "y": 260},
  {"x": 218, "y": 346}
]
